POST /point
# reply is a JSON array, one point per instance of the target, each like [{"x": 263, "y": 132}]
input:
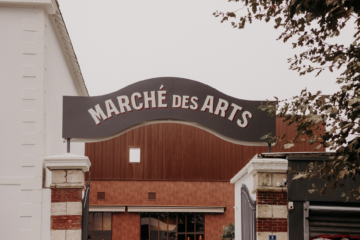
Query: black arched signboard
[{"x": 161, "y": 100}]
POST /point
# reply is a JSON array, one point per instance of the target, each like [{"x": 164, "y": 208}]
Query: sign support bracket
[{"x": 68, "y": 145}]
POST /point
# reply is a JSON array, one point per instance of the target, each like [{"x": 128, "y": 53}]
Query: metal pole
[
  {"x": 306, "y": 206},
  {"x": 269, "y": 147},
  {"x": 68, "y": 145}
]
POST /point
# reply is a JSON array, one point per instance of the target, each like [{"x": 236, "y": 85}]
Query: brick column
[
  {"x": 269, "y": 178},
  {"x": 67, "y": 184},
  {"x": 271, "y": 206}
]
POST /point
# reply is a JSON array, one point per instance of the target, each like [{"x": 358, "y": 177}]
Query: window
[
  {"x": 154, "y": 226},
  {"x": 172, "y": 226},
  {"x": 181, "y": 226},
  {"x": 144, "y": 226},
  {"x": 99, "y": 226},
  {"x": 190, "y": 226},
  {"x": 134, "y": 155},
  {"x": 323, "y": 221}
]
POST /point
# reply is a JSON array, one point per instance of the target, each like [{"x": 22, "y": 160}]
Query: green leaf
[
  {"x": 288, "y": 145},
  {"x": 313, "y": 140}
]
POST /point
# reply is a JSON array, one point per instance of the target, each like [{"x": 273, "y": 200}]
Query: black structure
[
  {"x": 320, "y": 215},
  {"x": 85, "y": 212},
  {"x": 248, "y": 215}
]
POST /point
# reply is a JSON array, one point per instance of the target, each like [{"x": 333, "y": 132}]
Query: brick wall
[
  {"x": 168, "y": 193},
  {"x": 66, "y": 195},
  {"x": 64, "y": 222},
  {"x": 271, "y": 198},
  {"x": 271, "y": 225}
]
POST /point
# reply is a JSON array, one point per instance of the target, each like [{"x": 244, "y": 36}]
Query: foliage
[
  {"x": 309, "y": 24},
  {"x": 228, "y": 232}
]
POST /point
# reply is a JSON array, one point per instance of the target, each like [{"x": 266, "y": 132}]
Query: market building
[
  {"x": 162, "y": 159},
  {"x": 179, "y": 189},
  {"x": 161, "y": 163}
]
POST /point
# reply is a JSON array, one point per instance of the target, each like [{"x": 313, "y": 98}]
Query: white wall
[
  {"x": 12, "y": 85},
  {"x": 247, "y": 179},
  {"x": 21, "y": 148},
  {"x": 10, "y": 223},
  {"x": 59, "y": 83},
  {"x": 34, "y": 77}
]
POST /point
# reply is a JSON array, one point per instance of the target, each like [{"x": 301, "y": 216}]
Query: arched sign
[{"x": 165, "y": 99}]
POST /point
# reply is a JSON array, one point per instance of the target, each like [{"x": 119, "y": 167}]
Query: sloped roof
[{"x": 69, "y": 49}]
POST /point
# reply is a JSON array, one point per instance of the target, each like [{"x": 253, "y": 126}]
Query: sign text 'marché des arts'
[
  {"x": 156, "y": 99},
  {"x": 166, "y": 99}
]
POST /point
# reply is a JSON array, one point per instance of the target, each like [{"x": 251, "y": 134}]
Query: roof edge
[
  {"x": 70, "y": 52},
  {"x": 296, "y": 154},
  {"x": 53, "y": 10}
]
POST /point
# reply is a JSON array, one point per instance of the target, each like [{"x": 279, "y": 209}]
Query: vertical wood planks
[{"x": 171, "y": 151}]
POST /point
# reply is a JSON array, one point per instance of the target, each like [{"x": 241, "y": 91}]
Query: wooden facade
[{"x": 172, "y": 151}]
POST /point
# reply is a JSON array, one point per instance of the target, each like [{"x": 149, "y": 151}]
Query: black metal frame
[
  {"x": 85, "y": 211},
  {"x": 301, "y": 222}
]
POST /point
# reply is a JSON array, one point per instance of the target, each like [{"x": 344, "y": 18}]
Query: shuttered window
[{"x": 331, "y": 222}]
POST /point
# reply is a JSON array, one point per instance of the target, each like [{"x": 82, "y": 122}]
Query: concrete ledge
[
  {"x": 95, "y": 208},
  {"x": 263, "y": 165},
  {"x": 267, "y": 165},
  {"x": 269, "y": 189},
  {"x": 67, "y": 185},
  {"x": 67, "y": 161},
  {"x": 197, "y": 209}
]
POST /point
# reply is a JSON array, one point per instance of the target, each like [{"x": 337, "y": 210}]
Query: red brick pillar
[
  {"x": 271, "y": 205},
  {"x": 67, "y": 184}
]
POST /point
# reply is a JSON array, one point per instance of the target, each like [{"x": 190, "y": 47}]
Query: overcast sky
[{"x": 119, "y": 42}]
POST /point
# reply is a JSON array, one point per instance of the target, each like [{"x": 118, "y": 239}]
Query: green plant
[{"x": 228, "y": 232}]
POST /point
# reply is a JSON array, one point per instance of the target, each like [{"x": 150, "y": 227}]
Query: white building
[{"x": 37, "y": 67}]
